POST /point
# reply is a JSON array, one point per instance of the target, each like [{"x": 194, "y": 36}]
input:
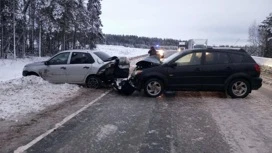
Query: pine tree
[
  {"x": 265, "y": 30},
  {"x": 94, "y": 29}
]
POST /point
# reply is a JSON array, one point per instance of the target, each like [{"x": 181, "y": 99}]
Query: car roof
[
  {"x": 236, "y": 50},
  {"x": 79, "y": 50},
  {"x": 218, "y": 49}
]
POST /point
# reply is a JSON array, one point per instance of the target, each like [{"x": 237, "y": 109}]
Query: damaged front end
[
  {"x": 128, "y": 86},
  {"x": 116, "y": 73},
  {"x": 116, "y": 68},
  {"x": 146, "y": 63}
]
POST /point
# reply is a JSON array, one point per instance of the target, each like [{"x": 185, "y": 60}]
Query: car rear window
[
  {"x": 81, "y": 58},
  {"x": 103, "y": 56}
]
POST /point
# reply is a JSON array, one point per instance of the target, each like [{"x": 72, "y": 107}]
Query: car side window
[
  {"x": 236, "y": 58},
  {"x": 223, "y": 58},
  {"x": 216, "y": 58},
  {"x": 81, "y": 58},
  {"x": 61, "y": 58},
  {"x": 190, "y": 59}
]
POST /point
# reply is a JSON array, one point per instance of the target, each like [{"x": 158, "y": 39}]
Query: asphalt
[{"x": 120, "y": 124}]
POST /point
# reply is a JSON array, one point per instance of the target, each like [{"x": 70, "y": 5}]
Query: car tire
[
  {"x": 93, "y": 82},
  {"x": 238, "y": 88},
  {"x": 153, "y": 87}
]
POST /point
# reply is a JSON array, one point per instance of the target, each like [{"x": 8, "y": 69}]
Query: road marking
[{"x": 66, "y": 119}]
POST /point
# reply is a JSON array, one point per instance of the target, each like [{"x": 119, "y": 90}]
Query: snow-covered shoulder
[
  {"x": 31, "y": 94},
  {"x": 11, "y": 69},
  {"x": 263, "y": 61}
]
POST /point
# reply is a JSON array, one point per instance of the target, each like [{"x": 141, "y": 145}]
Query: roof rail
[{"x": 209, "y": 47}]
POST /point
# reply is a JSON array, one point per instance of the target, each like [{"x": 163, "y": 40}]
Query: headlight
[
  {"x": 160, "y": 52},
  {"x": 104, "y": 68}
]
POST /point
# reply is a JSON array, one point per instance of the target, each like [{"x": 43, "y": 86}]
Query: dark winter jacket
[{"x": 152, "y": 51}]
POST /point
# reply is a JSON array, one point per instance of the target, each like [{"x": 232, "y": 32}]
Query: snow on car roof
[{"x": 77, "y": 50}]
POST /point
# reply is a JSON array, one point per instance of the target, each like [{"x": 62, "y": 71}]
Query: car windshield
[
  {"x": 103, "y": 56},
  {"x": 171, "y": 57}
]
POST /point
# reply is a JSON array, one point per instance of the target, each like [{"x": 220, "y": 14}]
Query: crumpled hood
[
  {"x": 35, "y": 64},
  {"x": 153, "y": 60}
]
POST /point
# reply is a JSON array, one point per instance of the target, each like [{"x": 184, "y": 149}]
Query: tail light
[{"x": 257, "y": 68}]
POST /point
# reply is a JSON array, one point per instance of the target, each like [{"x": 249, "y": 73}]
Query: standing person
[{"x": 152, "y": 51}]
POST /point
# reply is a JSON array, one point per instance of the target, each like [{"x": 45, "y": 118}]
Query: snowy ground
[
  {"x": 23, "y": 95},
  {"x": 263, "y": 61},
  {"x": 30, "y": 95},
  {"x": 121, "y": 50},
  {"x": 12, "y": 69}
]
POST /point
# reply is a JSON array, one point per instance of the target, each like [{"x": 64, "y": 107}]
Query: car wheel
[
  {"x": 153, "y": 87},
  {"x": 239, "y": 88},
  {"x": 93, "y": 82}
]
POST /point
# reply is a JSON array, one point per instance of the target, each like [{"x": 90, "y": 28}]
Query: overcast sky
[{"x": 220, "y": 21}]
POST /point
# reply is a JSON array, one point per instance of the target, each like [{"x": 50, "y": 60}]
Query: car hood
[
  {"x": 148, "y": 62},
  {"x": 152, "y": 60},
  {"x": 35, "y": 64}
]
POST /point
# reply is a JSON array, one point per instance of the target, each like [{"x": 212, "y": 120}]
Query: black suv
[{"x": 230, "y": 70}]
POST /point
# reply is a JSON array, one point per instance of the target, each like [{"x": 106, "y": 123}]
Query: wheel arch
[
  {"x": 86, "y": 79},
  {"x": 29, "y": 73},
  {"x": 154, "y": 76},
  {"x": 238, "y": 76}
]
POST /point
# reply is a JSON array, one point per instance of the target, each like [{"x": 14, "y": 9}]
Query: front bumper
[
  {"x": 136, "y": 82},
  {"x": 256, "y": 83}
]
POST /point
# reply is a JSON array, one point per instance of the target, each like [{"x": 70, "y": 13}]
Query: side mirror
[
  {"x": 46, "y": 63},
  {"x": 172, "y": 65}
]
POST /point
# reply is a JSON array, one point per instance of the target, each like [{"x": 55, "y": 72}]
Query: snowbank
[
  {"x": 31, "y": 94},
  {"x": 11, "y": 69},
  {"x": 263, "y": 61},
  {"x": 121, "y": 50}
]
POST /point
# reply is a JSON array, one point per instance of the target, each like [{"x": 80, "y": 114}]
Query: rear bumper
[{"x": 256, "y": 83}]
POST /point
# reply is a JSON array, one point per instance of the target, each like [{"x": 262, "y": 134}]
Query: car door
[
  {"x": 185, "y": 75},
  {"x": 216, "y": 69},
  {"x": 80, "y": 65},
  {"x": 55, "y": 70}
]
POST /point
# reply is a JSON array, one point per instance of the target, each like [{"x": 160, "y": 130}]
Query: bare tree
[{"x": 255, "y": 40}]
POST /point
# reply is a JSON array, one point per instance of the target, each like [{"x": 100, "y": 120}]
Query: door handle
[
  {"x": 86, "y": 67},
  {"x": 63, "y": 68}
]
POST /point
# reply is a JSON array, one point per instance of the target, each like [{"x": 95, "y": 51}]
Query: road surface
[{"x": 184, "y": 122}]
